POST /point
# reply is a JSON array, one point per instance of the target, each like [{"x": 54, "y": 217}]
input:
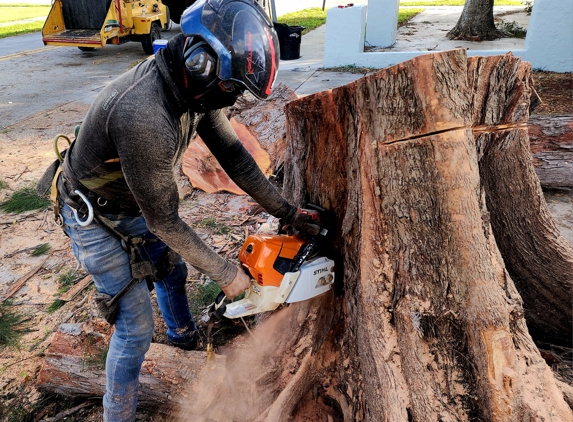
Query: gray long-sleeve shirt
[{"x": 134, "y": 134}]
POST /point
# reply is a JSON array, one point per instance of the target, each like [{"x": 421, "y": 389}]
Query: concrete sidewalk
[{"x": 425, "y": 32}]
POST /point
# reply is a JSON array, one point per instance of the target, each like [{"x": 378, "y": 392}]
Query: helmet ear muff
[{"x": 200, "y": 62}]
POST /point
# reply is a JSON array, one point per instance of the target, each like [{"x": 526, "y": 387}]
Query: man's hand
[
  {"x": 307, "y": 221},
  {"x": 240, "y": 283}
]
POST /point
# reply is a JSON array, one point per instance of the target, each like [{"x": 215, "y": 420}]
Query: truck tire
[
  {"x": 167, "y": 26},
  {"x": 147, "y": 39}
]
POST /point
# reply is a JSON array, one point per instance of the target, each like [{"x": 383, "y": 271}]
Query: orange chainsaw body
[{"x": 267, "y": 257}]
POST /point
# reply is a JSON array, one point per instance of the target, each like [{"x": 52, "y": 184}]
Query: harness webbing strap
[{"x": 54, "y": 195}]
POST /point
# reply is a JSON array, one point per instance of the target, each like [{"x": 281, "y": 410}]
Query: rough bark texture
[
  {"x": 476, "y": 22},
  {"x": 428, "y": 321},
  {"x": 75, "y": 366},
  {"x": 551, "y": 140},
  {"x": 537, "y": 258}
]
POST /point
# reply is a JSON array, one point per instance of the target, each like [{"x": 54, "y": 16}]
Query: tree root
[
  {"x": 292, "y": 394},
  {"x": 468, "y": 35},
  {"x": 567, "y": 391}
]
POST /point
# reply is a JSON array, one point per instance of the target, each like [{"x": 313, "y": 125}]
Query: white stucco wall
[
  {"x": 381, "y": 23},
  {"x": 548, "y": 45}
]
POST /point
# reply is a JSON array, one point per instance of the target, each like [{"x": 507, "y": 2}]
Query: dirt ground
[{"x": 26, "y": 149}]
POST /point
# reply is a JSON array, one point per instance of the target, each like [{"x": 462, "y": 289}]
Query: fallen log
[
  {"x": 551, "y": 140},
  {"x": 74, "y": 366}
]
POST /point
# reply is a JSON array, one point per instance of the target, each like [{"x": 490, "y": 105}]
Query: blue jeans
[{"x": 101, "y": 255}]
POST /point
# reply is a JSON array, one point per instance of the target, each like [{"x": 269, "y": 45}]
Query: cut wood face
[
  {"x": 205, "y": 172},
  {"x": 260, "y": 125}
]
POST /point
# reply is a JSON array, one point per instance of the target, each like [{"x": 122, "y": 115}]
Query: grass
[
  {"x": 65, "y": 281},
  {"x": 351, "y": 68},
  {"x": 23, "y": 200},
  {"x": 203, "y": 297},
  {"x": 13, "y": 325},
  {"x": 4, "y": 184},
  {"x": 314, "y": 17},
  {"x": 404, "y": 15},
  {"x": 41, "y": 249},
  {"x": 309, "y": 18},
  {"x": 214, "y": 226},
  {"x": 15, "y": 13},
  {"x": 20, "y": 28}
]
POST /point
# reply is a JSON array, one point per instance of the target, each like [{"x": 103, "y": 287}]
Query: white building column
[
  {"x": 549, "y": 40},
  {"x": 382, "y": 22}
]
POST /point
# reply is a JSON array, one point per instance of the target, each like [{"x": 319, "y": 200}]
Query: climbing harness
[{"x": 62, "y": 189}]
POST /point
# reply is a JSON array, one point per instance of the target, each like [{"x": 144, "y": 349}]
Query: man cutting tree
[{"x": 117, "y": 196}]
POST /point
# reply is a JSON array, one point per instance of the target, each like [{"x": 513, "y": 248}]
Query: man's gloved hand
[
  {"x": 307, "y": 221},
  {"x": 240, "y": 283}
]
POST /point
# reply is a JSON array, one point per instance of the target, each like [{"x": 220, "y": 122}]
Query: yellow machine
[{"x": 90, "y": 24}]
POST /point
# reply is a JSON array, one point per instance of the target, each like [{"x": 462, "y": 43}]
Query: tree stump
[
  {"x": 425, "y": 322},
  {"x": 433, "y": 324}
]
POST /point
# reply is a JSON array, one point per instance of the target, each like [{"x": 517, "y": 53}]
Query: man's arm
[
  {"x": 147, "y": 163},
  {"x": 218, "y": 134}
]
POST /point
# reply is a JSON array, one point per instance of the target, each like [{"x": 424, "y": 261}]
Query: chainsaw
[{"x": 284, "y": 268}]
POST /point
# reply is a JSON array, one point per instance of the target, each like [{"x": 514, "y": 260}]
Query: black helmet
[{"x": 242, "y": 38}]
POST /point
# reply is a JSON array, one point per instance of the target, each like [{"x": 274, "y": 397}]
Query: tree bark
[
  {"x": 551, "y": 140},
  {"x": 75, "y": 366},
  {"x": 476, "y": 22},
  {"x": 537, "y": 258}
]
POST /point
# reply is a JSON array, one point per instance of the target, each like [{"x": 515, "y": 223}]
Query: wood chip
[
  {"x": 18, "y": 284},
  {"x": 77, "y": 288}
]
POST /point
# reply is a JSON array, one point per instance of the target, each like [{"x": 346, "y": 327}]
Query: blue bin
[{"x": 158, "y": 45}]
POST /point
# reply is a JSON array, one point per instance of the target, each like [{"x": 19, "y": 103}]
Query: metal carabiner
[{"x": 90, "y": 218}]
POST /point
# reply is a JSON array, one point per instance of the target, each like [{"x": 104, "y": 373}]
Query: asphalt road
[{"x": 34, "y": 77}]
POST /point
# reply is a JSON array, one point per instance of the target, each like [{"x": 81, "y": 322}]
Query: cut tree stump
[
  {"x": 425, "y": 323},
  {"x": 74, "y": 366}
]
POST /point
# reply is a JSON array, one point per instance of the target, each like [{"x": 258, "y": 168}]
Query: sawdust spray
[{"x": 230, "y": 389}]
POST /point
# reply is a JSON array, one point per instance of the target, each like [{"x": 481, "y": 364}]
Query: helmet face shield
[{"x": 242, "y": 37}]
